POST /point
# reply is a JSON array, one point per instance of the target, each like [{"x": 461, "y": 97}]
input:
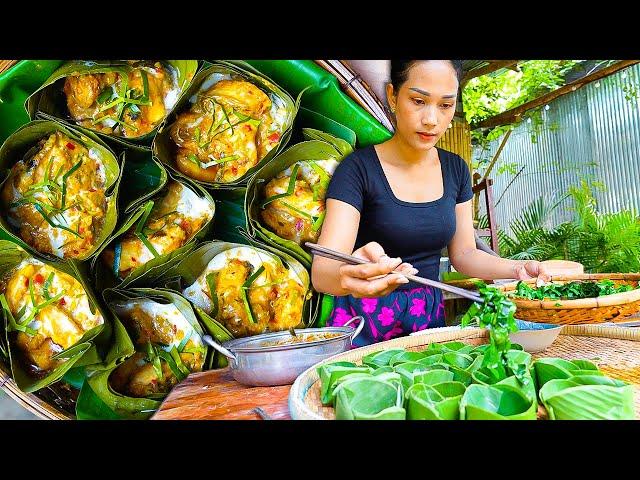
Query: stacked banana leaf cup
[{"x": 144, "y": 205}]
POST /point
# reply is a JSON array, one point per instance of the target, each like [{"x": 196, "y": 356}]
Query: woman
[{"x": 398, "y": 204}]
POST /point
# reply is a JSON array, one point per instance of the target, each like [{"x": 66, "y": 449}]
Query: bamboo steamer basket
[
  {"x": 610, "y": 308},
  {"x": 615, "y": 349}
]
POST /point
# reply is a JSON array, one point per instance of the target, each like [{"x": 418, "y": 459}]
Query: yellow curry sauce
[
  {"x": 101, "y": 102},
  {"x": 57, "y": 320},
  {"x": 56, "y": 199},
  {"x": 174, "y": 220},
  {"x": 228, "y": 130},
  {"x": 164, "y": 327}
]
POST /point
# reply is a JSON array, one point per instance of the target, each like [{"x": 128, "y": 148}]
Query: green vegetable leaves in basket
[{"x": 59, "y": 198}]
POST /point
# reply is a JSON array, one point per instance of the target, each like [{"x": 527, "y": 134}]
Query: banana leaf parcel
[
  {"x": 285, "y": 200},
  {"x": 248, "y": 290},
  {"x": 51, "y": 319},
  {"x": 156, "y": 234},
  {"x": 59, "y": 196},
  {"x": 369, "y": 398},
  {"x": 231, "y": 121},
  {"x": 123, "y": 101},
  {"x": 159, "y": 343},
  {"x": 496, "y": 402}
]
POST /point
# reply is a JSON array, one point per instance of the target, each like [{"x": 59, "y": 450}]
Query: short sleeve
[
  {"x": 464, "y": 181},
  {"x": 348, "y": 182}
]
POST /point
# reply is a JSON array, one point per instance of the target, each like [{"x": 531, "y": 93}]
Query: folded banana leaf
[
  {"x": 155, "y": 235},
  {"x": 145, "y": 178},
  {"x": 369, "y": 399},
  {"x": 238, "y": 273},
  {"x": 547, "y": 369},
  {"x": 404, "y": 357},
  {"x": 409, "y": 371},
  {"x": 331, "y": 372},
  {"x": 496, "y": 402},
  {"x": 49, "y": 305},
  {"x": 588, "y": 397},
  {"x": 381, "y": 358},
  {"x": 206, "y": 133},
  {"x": 122, "y": 111},
  {"x": 287, "y": 211},
  {"x": 162, "y": 344},
  {"x": 440, "y": 401},
  {"x": 47, "y": 200}
]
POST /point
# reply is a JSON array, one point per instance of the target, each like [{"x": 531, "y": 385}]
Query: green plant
[{"x": 602, "y": 242}]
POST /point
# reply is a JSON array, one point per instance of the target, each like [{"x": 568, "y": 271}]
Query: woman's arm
[
  {"x": 339, "y": 232},
  {"x": 469, "y": 260}
]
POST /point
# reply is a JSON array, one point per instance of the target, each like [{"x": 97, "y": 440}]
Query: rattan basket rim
[
  {"x": 299, "y": 389},
  {"x": 606, "y": 301}
]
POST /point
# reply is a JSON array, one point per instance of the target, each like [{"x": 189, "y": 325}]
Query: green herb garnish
[{"x": 243, "y": 292}]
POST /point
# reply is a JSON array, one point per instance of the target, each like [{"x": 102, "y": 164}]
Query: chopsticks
[{"x": 341, "y": 257}]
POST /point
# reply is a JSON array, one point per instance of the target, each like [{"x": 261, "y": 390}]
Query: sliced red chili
[
  {"x": 274, "y": 137},
  {"x": 38, "y": 278},
  {"x": 70, "y": 146},
  {"x": 62, "y": 302}
]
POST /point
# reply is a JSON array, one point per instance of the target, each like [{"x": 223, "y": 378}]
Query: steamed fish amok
[
  {"x": 51, "y": 307},
  {"x": 249, "y": 291},
  {"x": 294, "y": 205},
  {"x": 172, "y": 222},
  {"x": 125, "y": 106},
  {"x": 229, "y": 128},
  {"x": 55, "y": 199},
  {"x": 168, "y": 348}
]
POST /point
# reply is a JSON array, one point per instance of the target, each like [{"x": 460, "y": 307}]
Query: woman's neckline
[{"x": 393, "y": 196}]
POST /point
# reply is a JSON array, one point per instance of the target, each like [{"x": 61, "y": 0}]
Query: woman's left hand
[{"x": 531, "y": 269}]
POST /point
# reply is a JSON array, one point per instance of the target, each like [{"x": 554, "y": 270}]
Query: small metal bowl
[{"x": 254, "y": 361}]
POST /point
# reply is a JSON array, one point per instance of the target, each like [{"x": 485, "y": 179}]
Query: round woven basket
[
  {"x": 616, "y": 351},
  {"x": 585, "y": 310}
]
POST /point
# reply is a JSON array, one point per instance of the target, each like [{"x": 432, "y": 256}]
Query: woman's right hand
[{"x": 374, "y": 279}]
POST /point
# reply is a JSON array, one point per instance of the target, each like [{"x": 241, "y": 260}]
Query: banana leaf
[
  {"x": 331, "y": 372},
  {"x": 431, "y": 359},
  {"x": 189, "y": 269},
  {"x": 105, "y": 277},
  {"x": 547, "y": 369},
  {"x": 369, "y": 399},
  {"x": 404, "y": 357},
  {"x": 318, "y": 146},
  {"x": 381, "y": 358},
  {"x": 588, "y": 397},
  {"x": 434, "y": 402},
  {"x": 25, "y": 138},
  {"x": 49, "y": 100},
  {"x": 230, "y": 218},
  {"x": 122, "y": 405},
  {"x": 496, "y": 402},
  {"x": 145, "y": 178},
  {"x": 433, "y": 377},
  {"x": 11, "y": 255},
  {"x": 163, "y": 146},
  {"x": 409, "y": 371},
  {"x": 309, "y": 119}
]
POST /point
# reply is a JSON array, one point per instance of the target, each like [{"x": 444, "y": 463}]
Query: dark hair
[{"x": 400, "y": 71}]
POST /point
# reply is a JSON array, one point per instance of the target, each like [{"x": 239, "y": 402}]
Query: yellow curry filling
[
  {"x": 227, "y": 131},
  {"x": 56, "y": 199},
  {"x": 103, "y": 102},
  {"x": 173, "y": 221},
  {"x": 54, "y": 309},
  {"x": 253, "y": 293},
  {"x": 167, "y": 349}
]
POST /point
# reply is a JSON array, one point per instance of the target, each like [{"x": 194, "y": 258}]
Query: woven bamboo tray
[
  {"x": 616, "y": 351},
  {"x": 585, "y": 310}
]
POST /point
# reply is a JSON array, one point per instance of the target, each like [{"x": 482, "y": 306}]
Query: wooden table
[{"x": 215, "y": 395}]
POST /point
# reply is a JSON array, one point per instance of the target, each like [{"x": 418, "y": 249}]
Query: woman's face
[{"x": 425, "y": 103}]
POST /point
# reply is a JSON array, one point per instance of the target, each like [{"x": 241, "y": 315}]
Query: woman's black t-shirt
[{"x": 415, "y": 232}]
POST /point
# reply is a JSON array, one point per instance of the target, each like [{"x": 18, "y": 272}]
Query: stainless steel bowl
[{"x": 254, "y": 362}]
